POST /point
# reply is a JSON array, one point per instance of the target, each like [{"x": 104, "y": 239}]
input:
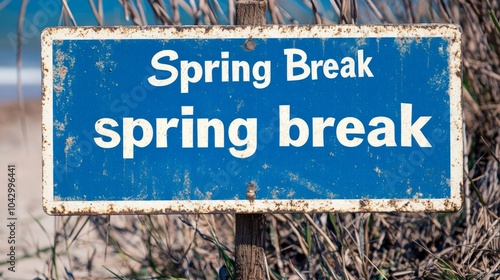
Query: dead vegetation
[{"x": 462, "y": 245}]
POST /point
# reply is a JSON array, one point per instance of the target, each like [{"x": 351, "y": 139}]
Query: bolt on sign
[{"x": 251, "y": 119}]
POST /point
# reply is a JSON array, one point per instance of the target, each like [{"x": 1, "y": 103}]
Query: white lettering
[
  {"x": 347, "y": 126},
  {"x": 187, "y": 127},
  {"x": 349, "y": 68},
  {"x": 329, "y": 69},
  {"x": 113, "y": 135},
  {"x": 299, "y": 68},
  {"x": 250, "y": 141},
  {"x": 319, "y": 125},
  {"x": 155, "y": 62},
  {"x": 162, "y": 126},
  {"x": 186, "y": 79},
  {"x": 389, "y": 139},
  {"x": 291, "y": 65},
  {"x": 265, "y": 78},
  {"x": 286, "y": 124},
  {"x": 209, "y": 67},
  {"x": 202, "y": 128},
  {"x": 409, "y": 129},
  {"x": 193, "y": 72},
  {"x": 242, "y": 133},
  {"x": 363, "y": 65},
  {"x": 129, "y": 141}
]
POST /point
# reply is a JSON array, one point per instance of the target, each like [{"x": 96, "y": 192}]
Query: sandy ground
[
  {"x": 34, "y": 230},
  {"x": 26, "y": 156}
]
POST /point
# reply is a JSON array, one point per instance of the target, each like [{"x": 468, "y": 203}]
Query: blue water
[{"x": 39, "y": 15}]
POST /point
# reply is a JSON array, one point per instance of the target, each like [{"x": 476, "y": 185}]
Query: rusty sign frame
[{"x": 56, "y": 207}]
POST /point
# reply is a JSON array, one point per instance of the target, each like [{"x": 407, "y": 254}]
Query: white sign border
[{"x": 451, "y": 32}]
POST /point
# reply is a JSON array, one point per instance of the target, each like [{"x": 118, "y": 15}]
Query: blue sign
[{"x": 318, "y": 118}]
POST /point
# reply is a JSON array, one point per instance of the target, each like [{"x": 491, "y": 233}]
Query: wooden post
[
  {"x": 250, "y": 228},
  {"x": 251, "y": 12}
]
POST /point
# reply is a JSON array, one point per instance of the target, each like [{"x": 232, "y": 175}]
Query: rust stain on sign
[{"x": 256, "y": 206}]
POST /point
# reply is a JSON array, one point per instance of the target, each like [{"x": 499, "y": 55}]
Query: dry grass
[{"x": 462, "y": 245}]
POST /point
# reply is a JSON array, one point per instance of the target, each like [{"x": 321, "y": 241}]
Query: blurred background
[{"x": 39, "y": 14}]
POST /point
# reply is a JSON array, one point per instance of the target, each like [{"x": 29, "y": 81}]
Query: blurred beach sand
[
  {"x": 35, "y": 230},
  {"x": 25, "y": 154}
]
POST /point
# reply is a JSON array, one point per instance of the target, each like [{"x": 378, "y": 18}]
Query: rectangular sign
[{"x": 251, "y": 119}]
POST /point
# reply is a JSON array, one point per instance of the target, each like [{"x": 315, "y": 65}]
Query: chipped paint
[
  {"x": 257, "y": 206},
  {"x": 197, "y": 199}
]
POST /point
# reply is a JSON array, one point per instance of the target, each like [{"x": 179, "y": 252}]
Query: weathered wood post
[{"x": 250, "y": 228}]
